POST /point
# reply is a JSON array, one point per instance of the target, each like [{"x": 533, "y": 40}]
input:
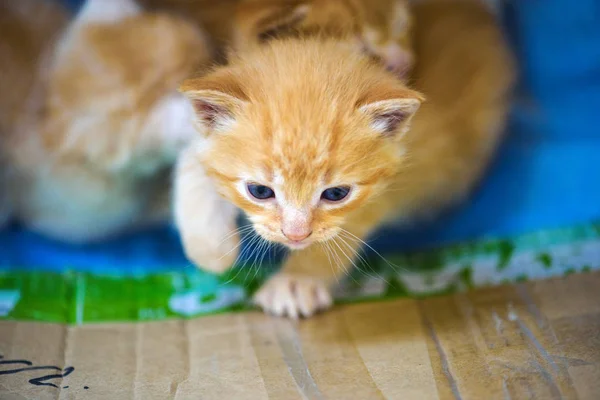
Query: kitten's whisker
[
  {"x": 240, "y": 230},
  {"x": 251, "y": 242},
  {"x": 356, "y": 238},
  {"x": 349, "y": 257},
  {"x": 266, "y": 248},
  {"x": 259, "y": 252},
  {"x": 346, "y": 271},
  {"x": 234, "y": 248},
  {"x": 335, "y": 257},
  {"x": 253, "y": 246},
  {"x": 329, "y": 259},
  {"x": 233, "y": 277},
  {"x": 250, "y": 246},
  {"x": 271, "y": 254},
  {"x": 364, "y": 262},
  {"x": 190, "y": 265}
]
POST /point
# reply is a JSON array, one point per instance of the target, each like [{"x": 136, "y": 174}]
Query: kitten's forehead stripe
[{"x": 278, "y": 178}]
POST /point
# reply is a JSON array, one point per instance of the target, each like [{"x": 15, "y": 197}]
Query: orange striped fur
[{"x": 300, "y": 115}]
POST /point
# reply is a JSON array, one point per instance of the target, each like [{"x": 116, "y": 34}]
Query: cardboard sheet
[{"x": 530, "y": 340}]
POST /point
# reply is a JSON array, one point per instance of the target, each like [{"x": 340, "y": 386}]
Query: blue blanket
[{"x": 547, "y": 173}]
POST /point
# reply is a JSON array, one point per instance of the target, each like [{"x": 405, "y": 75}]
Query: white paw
[
  {"x": 293, "y": 296},
  {"x": 213, "y": 254}
]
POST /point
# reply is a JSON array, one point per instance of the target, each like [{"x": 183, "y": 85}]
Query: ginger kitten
[
  {"x": 311, "y": 140},
  {"x": 382, "y": 28},
  {"x": 26, "y": 29},
  {"x": 215, "y": 17},
  {"x": 94, "y": 158}
]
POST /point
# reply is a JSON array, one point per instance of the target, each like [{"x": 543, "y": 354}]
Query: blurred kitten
[
  {"x": 27, "y": 27},
  {"x": 109, "y": 123},
  {"x": 382, "y": 28},
  {"x": 311, "y": 140},
  {"x": 215, "y": 17}
]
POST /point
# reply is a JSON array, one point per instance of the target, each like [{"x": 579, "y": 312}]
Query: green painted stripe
[{"x": 79, "y": 297}]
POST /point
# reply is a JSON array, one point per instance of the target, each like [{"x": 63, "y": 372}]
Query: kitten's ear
[
  {"x": 216, "y": 98},
  {"x": 262, "y": 21},
  {"x": 391, "y": 111}
]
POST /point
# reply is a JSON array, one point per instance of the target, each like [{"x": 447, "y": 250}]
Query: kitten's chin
[{"x": 297, "y": 246}]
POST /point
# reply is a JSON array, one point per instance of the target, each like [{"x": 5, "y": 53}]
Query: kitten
[
  {"x": 110, "y": 123},
  {"x": 311, "y": 140},
  {"x": 387, "y": 33},
  {"x": 215, "y": 17},
  {"x": 382, "y": 28},
  {"x": 26, "y": 29}
]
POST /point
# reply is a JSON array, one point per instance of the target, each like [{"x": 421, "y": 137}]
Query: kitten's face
[
  {"x": 297, "y": 179},
  {"x": 298, "y": 149}
]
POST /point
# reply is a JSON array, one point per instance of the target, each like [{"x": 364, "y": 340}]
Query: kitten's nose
[
  {"x": 296, "y": 224},
  {"x": 296, "y": 235}
]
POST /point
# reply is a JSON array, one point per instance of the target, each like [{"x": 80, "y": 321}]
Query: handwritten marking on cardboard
[{"x": 26, "y": 365}]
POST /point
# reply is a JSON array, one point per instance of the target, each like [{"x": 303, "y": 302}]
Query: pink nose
[{"x": 296, "y": 235}]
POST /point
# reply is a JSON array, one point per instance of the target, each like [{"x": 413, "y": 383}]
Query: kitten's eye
[
  {"x": 335, "y": 193},
  {"x": 260, "y": 192}
]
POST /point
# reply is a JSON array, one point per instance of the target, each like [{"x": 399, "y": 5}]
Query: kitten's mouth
[
  {"x": 290, "y": 244},
  {"x": 297, "y": 244}
]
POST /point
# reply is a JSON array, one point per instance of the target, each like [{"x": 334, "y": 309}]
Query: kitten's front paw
[
  {"x": 293, "y": 296},
  {"x": 212, "y": 254}
]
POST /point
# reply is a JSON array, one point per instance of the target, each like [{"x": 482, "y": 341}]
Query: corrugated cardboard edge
[{"x": 532, "y": 339}]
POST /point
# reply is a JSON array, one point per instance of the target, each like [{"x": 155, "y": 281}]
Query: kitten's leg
[
  {"x": 303, "y": 286},
  {"x": 206, "y": 222}
]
